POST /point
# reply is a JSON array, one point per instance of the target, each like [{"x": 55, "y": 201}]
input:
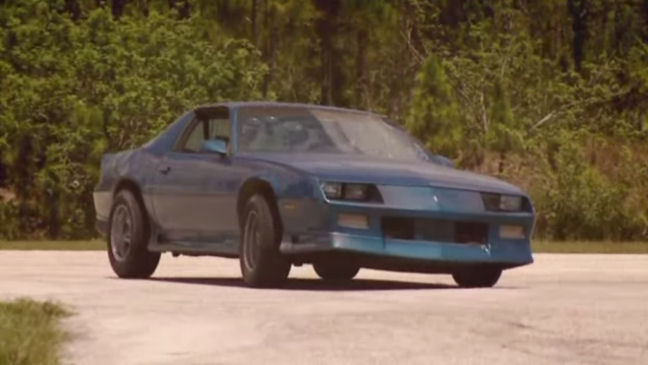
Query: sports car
[{"x": 280, "y": 184}]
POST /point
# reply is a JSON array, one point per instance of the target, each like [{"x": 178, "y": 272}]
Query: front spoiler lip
[{"x": 507, "y": 252}]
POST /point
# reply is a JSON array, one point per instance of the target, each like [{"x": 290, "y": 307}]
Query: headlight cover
[
  {"x": 332, "y": 190},
  {"x": 351, "y": 192},
  {"x": 356, "y": 192},
  {"x": 510, "y": 203},
  {"x": 503, "y": 203}
]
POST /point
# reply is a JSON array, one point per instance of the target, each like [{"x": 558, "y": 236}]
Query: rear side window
[
  {"x": 219, "y": 128},
  {"x": 207, "y": 124}
]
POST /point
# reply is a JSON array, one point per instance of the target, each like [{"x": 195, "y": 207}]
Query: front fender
[{"x": 297, "y": 194}]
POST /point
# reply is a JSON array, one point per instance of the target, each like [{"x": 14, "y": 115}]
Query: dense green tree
[
  {"x": 552, "y": 94},
  {"x": 434, "y": 116}
]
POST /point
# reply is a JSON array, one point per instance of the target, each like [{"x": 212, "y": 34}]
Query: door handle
[{"x": 164, "y": 169}]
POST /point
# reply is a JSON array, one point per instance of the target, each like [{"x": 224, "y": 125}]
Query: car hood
[{"x": 367, "y": 169}]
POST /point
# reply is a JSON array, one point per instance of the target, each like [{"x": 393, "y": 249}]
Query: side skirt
[
  {"x": 196, "y": 249},
  {"x": 192, "y": 248}
]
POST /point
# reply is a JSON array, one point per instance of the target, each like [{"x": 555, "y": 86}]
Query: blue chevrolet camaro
[{"x": 278, "y": 184}]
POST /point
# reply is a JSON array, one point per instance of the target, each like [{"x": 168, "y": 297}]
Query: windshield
[{"x": 318, "y": 130}]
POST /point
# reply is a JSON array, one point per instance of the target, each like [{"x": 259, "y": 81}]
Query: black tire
[
  {"x": 336, "y": 269},
  {"x": 477, "y": 277},
  {"x": 262, "y": 265},
  {"x": 128, "y": 238}
]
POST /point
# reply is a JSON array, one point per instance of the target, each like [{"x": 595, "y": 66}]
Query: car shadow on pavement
[{"x": 313, "y": 284}]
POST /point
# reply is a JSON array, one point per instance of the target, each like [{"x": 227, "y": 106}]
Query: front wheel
[
  {"x": 262, "y": 265},
  {"x": 127, "y": 239},
  {"x": 477, "y": 277}
]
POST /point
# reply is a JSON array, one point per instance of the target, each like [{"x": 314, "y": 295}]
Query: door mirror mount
[{"x": 214, "y": 146}]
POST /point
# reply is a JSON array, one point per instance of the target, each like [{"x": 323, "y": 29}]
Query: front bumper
[
  {"x": 505, "y": 253},
  {"x": 312, "y": 228}
]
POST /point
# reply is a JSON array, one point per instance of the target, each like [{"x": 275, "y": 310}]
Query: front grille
[
  {"x": 430, "y": 229},
  {"x": 400, "y": 228},
  {"x": 471, "y": 232}
]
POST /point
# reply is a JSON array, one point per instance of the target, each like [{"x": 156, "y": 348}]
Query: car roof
[{"x": 238, "y": 104}]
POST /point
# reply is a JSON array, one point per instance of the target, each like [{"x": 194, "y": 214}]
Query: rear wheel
[
  {"x": 262, "y": 265},
  {"x": 128, "y": 237},
  {"x": 336, "y": 270},
  {"x": 477, "y": 277}
]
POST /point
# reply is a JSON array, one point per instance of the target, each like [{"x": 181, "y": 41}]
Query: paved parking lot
[{"x": 587, "y": 309}]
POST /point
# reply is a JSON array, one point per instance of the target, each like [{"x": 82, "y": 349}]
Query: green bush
[
  {"x": 9, "y": 218},
  {"x": 577, "y": 201}
]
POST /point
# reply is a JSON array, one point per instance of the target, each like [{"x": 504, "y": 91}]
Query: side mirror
[
  {"x": 442, "y": 160},
  {"x": 214, "y": 146}
]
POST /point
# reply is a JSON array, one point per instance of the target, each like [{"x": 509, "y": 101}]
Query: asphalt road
[{"x": 566, "y": 309}]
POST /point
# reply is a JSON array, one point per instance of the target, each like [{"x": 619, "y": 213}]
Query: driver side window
[{"x": 195, "y": 138}]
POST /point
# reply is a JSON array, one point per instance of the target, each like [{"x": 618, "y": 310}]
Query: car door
[{"x": 195, "y": 191}]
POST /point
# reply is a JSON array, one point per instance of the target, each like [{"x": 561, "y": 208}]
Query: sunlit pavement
[{"x": 589, "y": 309}]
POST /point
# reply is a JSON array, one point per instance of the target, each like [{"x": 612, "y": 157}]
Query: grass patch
[
  {"x": 589, "y": 247},
  {"x": 90, "y": 245},
  {"x": 30, "y": 332}
]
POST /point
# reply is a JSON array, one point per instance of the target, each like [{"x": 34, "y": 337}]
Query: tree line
[{"x": 551, "y": 95}]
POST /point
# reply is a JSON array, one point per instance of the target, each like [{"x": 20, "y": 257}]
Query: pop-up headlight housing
[
  {"x": 510, "y": 203},
  {"x": 503, "y": 202},
  {"x": 367, "y": 193},
  {"x": 332, "y": 191}
]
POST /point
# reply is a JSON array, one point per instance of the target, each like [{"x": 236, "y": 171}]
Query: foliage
[
  {"x": 552, "y": 95},
  {"x": 525, "y": 115},
  {"x": 435, "y": 116},
  {"x": 581, "y": 202},
  {"x": 29, "y": 332},
  {"x": 73, "y": 90}
]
